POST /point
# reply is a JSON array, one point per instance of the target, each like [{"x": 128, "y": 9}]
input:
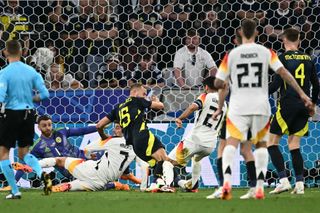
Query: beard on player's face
[{"x": 46, "y": 128}]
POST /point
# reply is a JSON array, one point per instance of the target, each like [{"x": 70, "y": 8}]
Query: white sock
[
  {"x": 144, "y": 166},
  {"x": 227, "y": 161},
  {"x": 47, "y": 162},
  {"x": 167, "y": 172},
  {"x": 261, "y": 163},
  {"x": 196, "y": 170}
]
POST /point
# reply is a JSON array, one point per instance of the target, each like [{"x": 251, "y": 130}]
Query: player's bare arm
[
  {"x": 191, "y": 108},
  {"x": 223, "y": 92},
  {"x": 156, "y": 104},
  {"x": 100, "y": 127},
  {"x": 284, "y": 73}
]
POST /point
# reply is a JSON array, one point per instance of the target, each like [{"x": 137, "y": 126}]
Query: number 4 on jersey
[{"x": 299, "y": 74}]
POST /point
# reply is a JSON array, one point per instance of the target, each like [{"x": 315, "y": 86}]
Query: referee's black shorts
[
  {"x": 17, "y": 126},
  {"x": 290, "y": 121},
  {"x": 145, "y": 144}
]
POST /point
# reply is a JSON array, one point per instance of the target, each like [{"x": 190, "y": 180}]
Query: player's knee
[{"x": 294, "y": 145}]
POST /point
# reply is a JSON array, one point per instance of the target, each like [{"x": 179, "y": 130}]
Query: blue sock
[
  {"x": 9, "y": 174},
  {"x": 34, "y": 163}
]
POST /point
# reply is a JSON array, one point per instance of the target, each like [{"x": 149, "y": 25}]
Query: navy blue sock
[
  {"x": 251, "y": 173},
  {"x": 220, "y": 173},
  {"x": 9, "y": 174},
  {"x": 34, "y": 163},
  {"x": 277, "y": 160},
  {"x": 297, "y": 163}
]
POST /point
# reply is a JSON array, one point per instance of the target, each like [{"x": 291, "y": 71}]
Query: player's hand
[
  {"x": 154, "y": 98},
  {"x": 307, "y": 102},
  {"x": 216, "y": 114},
  {"x": 312, "y": 111},
  {"x": 178, "y": 123}
]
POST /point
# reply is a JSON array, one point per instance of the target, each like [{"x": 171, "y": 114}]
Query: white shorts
[
  {"x": 85, "y": 173},
  {"x": 184, "y": 151},
  {"x": 239, "y": 125}
]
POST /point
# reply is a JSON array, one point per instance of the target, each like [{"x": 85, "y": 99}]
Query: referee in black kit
[{"x": 17, "y": 117}]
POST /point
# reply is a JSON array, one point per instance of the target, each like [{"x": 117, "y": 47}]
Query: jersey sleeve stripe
[
  {"x": 203, "y": 98},
  {"x": 103, "y": 142},
  {"x": 274, "y": 57},
  {"x": 224, "y": 64}
]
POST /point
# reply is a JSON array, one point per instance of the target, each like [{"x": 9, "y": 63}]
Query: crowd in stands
[{"x": 114, "y": 43}]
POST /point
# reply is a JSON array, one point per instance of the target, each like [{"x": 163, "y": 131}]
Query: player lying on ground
[
  {"x": 94, "y": 175},
  {"x": 102, "y": 145},
  {"x": 131, "y": 116},
  {"x": 247, "y": 66},
  {"x": 292, "y": 116},
  {"x": 202, "y": 139}
]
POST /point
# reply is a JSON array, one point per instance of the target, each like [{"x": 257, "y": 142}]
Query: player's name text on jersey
[
  {"x": 297, "y": 57},
  {"x": 249, "y": 55}
]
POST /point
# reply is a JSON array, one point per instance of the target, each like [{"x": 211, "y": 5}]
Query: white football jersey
[
  {"x": 205, "y": 129},
  {"x": 115, "y": 160},
  {"x": 247, "y": 67}
]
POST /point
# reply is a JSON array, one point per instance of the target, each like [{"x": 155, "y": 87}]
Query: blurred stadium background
[{"x": 88, "y": 51}]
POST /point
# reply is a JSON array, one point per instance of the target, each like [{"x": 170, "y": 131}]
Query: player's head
[
  {"x": 117, "y": 130},
  {"x": 45, "y": 125},
  {"x": 291, "y": 36},
  {"x": 208, "y": 84},
  {"x": 248, "y": 29},
  {"x": 138, "y": 90},
  {"x": 13, "y": 49},
  {"x": 192, "y": 39}
]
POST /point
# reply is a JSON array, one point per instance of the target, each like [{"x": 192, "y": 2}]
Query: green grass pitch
[{"x": 129, "y": 202}]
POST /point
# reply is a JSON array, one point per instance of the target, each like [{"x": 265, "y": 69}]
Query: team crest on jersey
[{"x": 58, "y": 140}]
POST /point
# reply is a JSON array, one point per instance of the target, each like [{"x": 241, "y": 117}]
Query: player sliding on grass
[
  {"x": 202, "y": 139},
  {"x": 292, "y": 116},
  {"x": 247, "y": 67}
]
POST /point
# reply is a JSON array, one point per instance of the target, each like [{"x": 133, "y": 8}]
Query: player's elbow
[{"x": 157, "y": 105}]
